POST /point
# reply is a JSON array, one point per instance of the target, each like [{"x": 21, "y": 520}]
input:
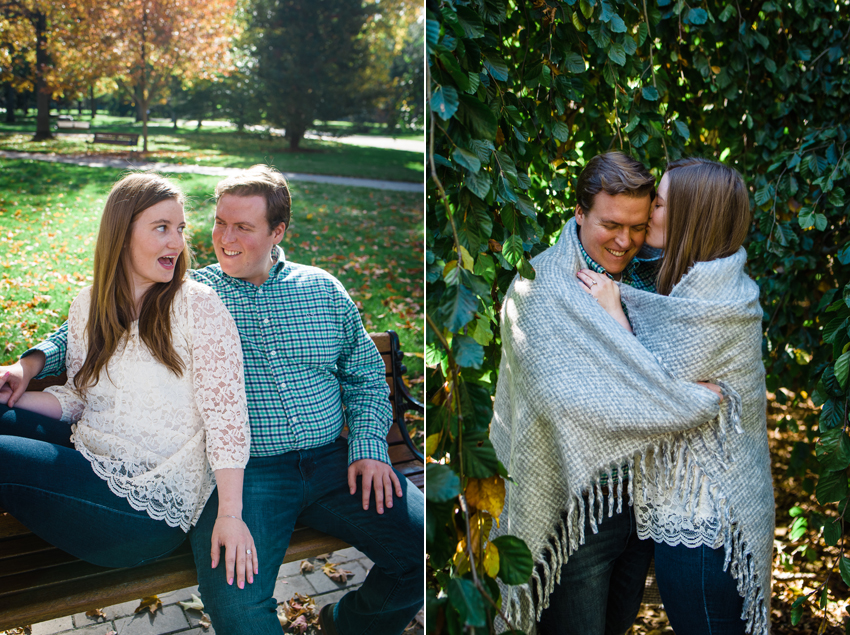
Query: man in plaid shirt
[{"x": 306, "y": 356}]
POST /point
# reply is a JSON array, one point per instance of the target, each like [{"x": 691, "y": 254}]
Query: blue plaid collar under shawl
[{"x": 640, "y": 273}]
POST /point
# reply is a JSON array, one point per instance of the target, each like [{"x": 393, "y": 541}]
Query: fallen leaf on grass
[
  {"x": 306, "y": 566},
  {"x": 96, "y": 614},
  {"x": 204, "y": 622},
  {"x": 337, "y": 575},
  {"x": 193, "y": 604},
  {"x": 151, "y": 603}
]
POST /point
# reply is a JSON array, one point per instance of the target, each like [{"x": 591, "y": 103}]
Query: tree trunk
[
  {"x": 137, "y": 99},
  {"x": 92, "y": 103},
  {"x": 42, "y": 95},
  {"x": 295, "y": 134},
  {"x": 80, "y": 107},
  {"x": 143, "y": 90},
  {"x": 10, "y": 103}
]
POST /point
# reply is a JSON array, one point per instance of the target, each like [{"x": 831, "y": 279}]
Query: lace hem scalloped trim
[
  {"x": 139, "y": 500},
  {"x": 523, "y": 605}
]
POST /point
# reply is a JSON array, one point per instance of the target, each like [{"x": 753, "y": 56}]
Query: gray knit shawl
[{"x": 578, "y": 395}]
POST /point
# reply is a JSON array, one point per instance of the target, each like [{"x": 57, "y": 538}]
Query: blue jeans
[
  {"x": 51, "y": 488},
  {"x": 602, "y": 583},
  {"x": 311, "y": 486},
  {"x": 699, "y": 596}
]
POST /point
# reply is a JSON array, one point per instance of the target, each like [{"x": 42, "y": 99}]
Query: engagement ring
[{"x": 248, "y": 551}]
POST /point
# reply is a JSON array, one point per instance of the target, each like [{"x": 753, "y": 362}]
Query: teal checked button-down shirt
[{"x": 306, "y": 355}]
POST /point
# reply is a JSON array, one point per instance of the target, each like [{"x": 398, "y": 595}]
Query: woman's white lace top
[{"x": 154, "y": 437}]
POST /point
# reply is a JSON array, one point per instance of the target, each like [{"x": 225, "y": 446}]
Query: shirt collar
[{"x": 646, "y": 254}]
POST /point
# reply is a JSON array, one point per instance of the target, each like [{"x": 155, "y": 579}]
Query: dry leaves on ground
[
  {"x": 151, "y": 603},
  {"x": 306, "y": 566},
  {"x": 195, "y": 604},
  {"x": 337, "y": 575},
  {"x": 298, "y": 614},
  {"x": 96, "y": 614}
]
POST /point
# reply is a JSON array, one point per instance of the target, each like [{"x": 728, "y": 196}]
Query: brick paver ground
[{"x": 120, "y": 619}]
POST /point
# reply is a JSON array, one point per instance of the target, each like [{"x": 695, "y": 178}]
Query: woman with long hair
[
  {"x": 115, "y": 466},
  {"x": 710, "y": 513}
]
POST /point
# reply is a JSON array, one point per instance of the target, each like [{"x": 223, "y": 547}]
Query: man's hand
[
  {"x": 17, "y": 377},
  {"x": 376, "y": 475}
]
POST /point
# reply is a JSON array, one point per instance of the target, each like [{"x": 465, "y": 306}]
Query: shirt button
[
  {"x": 266, "y": 321},
  {"x": 273, "y": 353},
  {"x": 282, "y": 385}
]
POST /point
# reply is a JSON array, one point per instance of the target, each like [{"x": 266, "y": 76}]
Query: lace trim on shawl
[{"x": 524, "y": 604}]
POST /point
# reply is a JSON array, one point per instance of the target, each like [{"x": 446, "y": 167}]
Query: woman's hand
[
  {"x": 713, "y": 388},
  {"x": 240, "y": 554},
  {"x": 606, "y": 292}
]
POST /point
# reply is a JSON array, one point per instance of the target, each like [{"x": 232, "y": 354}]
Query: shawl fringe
[{"x": 525, "y": 603}]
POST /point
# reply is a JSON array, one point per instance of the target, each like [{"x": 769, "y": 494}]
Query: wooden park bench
[
  {"x": 117, "y": 138},
  {"x": 70, "y": 124},
  {"x": 40, "y": 582}
]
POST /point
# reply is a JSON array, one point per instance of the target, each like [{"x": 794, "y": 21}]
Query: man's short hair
[
  {"x": 265, "y": 181},
  {"x": 613, "y": 173}
]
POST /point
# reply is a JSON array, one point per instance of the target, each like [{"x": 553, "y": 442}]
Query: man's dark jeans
[
  {"x": 311, "y": 486},
  {"x": 602, "y": 583}
]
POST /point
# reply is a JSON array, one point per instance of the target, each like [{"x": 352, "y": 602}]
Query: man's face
[
  {"x": 242, "y": 239},
  {"x": 613, "y": 229}
]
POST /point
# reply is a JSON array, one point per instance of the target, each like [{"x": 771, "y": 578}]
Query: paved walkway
[
  {"x": 173, "y": 618},
  {"x": 107, "y": 162}
]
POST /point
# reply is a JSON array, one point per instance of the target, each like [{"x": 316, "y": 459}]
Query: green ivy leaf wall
[{"x": 522, "y": 94}]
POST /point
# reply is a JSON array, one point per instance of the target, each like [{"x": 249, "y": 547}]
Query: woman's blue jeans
[
  {"x": 51, "y": 488},
  {"x": 602, "y": 583},
  {"x": 699, "y": 596},
  {"x": 311, "y": 486}
]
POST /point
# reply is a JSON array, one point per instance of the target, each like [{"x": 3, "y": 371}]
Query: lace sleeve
[
  {"x": 70, "y": 400},
  {"x": 218, "y": 379}
]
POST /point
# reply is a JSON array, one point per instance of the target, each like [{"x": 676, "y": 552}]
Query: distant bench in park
[
  {"x": 40, "y": 582},
  {"x": 117, "y": 138},
  {"x": 70, "y": 124}
]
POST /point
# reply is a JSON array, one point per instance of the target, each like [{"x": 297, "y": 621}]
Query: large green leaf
[
  {"x": 833, "y": 450},
  {"x": 467, "y": 159},
  {"x": 444, "y": 101},
  {"x": 831, "y": 487},
  {"x": 443, "y": 484},
  {"x": 477, "y": 117},
  {"x": 467, "y": 352},
  {"x": 479, "y": 456},
  {"x": 515, "y": 561},
  {"x": 512, "y": 249},
  {"x": 468, "y": 601},
  {"x": 457, "y": 306}
]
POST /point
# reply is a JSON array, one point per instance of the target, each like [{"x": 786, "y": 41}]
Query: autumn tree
[
  {"x": 309, "y": 60},
  {"x": 41, "y": 44},
  {"x": 154, "y": 41},
  {"x": 394, "y": 78}
]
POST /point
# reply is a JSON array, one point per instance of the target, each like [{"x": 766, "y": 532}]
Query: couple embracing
[
  {"x": 210, "y": 403},
  {"x": 630, "y": 409}
]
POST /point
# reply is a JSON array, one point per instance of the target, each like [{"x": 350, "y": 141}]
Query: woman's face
[
  {"x": 156, "y": 241},
  {"x": 657, "y": 229}
]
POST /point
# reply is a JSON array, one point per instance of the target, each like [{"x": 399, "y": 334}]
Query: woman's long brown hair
[
  {"x": 113, "y": 308},
  {"x": 708, "y": 215}
]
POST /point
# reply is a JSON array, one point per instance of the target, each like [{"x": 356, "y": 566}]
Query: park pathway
[{"x": 106, "y": 162}]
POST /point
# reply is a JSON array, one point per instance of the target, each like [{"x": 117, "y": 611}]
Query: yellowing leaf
[
  {"x": 306, "y": 566},
  {"x": 193, "y": 604},
  {"x": 337, "y": 575},
  {"x": 96, "y": 614},
  {"x": 466, "y": 259},
  {"x": 152, "y": 603},
  {"x": 491, "y": 560},
  {"x": 486, "y": 494},
  {"x": 431, "y": 444}
]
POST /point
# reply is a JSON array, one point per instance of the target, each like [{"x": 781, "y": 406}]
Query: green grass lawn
[
  {"x": 222, "y": 146},
  {"x": 49, "y": 214}
]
